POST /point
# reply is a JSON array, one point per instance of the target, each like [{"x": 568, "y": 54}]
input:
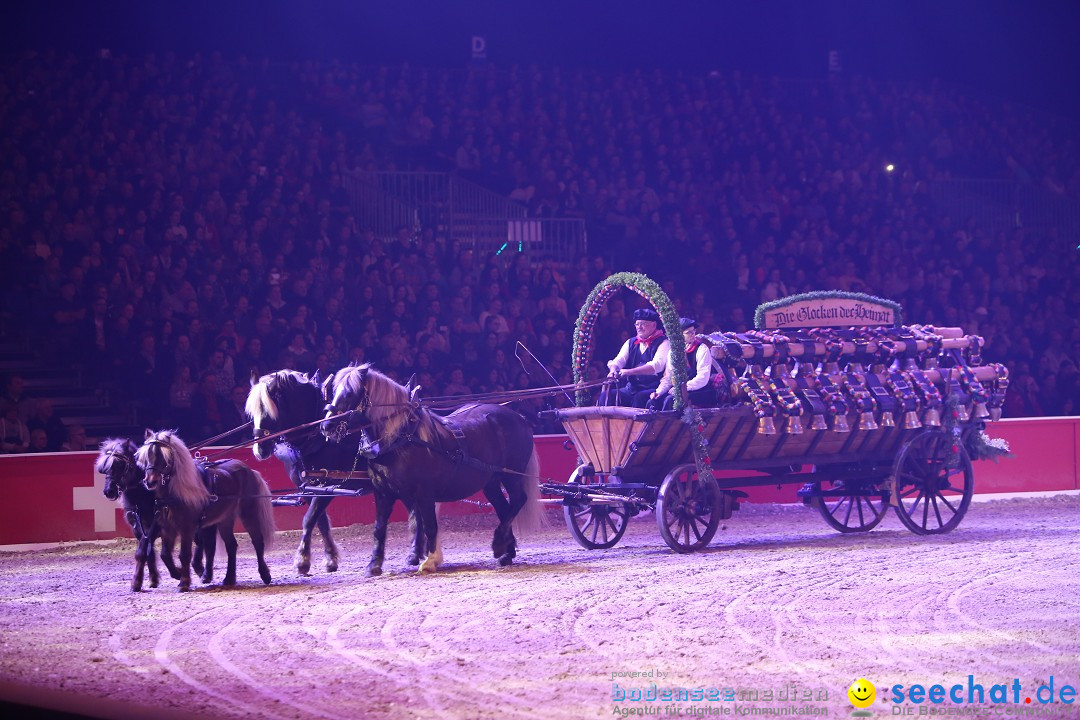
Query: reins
[{"x": 227, "y": 433}]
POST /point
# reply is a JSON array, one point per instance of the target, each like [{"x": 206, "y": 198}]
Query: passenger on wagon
[
  {"x": 640, "y": 363},
  {"x": 698, "y": 365}
]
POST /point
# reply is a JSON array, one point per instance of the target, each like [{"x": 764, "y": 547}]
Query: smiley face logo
[{"x": 862, "y": 693}]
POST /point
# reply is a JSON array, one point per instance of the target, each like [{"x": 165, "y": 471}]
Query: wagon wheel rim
[
  {"x": 688, "y": 509},
  {"x": 930, "y": 495},
  {"x": 861, "y": 510},
  {"x": 595, "y": 527}
]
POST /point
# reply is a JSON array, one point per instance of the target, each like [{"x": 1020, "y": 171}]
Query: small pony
[
  {"x": 207, "y": 495},
  {"x": 287, "y": 399},
  {"x": 423, "y": 458}
]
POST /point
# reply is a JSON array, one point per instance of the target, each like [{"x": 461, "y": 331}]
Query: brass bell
[
  {"x": 840, "y": 424},
  {"x": 962, "y": 413},
  {"x": 887, "y": 420},
  {"x": 981, "y": 411},
  {"x": 766, "y": 426},
  {"x": 817, "y": 422},
  {"x": 911, "y": 420},
  {"x": 932, "y": 418},
  {"x": 794, "y": 425},
  {"x": 995, "y": 414},
  {"x": 866, "y": 421}
]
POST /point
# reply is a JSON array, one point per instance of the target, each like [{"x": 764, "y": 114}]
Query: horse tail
[
  {"x": 531, "y": 517},
  {"x": 257, "y": 509}
]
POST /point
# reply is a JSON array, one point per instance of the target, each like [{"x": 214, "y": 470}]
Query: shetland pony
[
  {"x": 123, "y": 481},
  {"x": 288, "y": 399},
  {"x": 191, "y": 496},
  {"x": 424, "y": 458}
]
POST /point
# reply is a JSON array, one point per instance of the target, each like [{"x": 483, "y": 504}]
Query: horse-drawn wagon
[{"x": 830, "y": 392}]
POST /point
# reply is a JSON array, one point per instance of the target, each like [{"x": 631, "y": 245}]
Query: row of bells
[{"x": 794, "y": 426}]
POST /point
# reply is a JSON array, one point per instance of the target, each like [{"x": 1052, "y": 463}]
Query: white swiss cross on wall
[{"x": 93, "y": 498}]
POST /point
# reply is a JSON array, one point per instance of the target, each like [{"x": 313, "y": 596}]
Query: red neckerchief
[
  {"x": 645, "y": 343},
  {"x": 692, "y": 347}
]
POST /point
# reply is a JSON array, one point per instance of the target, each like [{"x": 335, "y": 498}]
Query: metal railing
[
  {"x": 380, "y": 211},
  {"x": 1003, "y": 205},
  {"x": 460, "y": 209}
]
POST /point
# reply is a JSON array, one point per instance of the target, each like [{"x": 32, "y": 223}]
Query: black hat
[
  {"x": 646, "y": 314},
  {"x": 686, "y": 323}
]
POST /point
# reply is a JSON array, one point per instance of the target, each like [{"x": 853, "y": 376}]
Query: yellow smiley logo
[{"x": 862, "y": 693}]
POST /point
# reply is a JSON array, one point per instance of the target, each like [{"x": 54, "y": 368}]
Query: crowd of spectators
[{"x": 174, "y": 225}]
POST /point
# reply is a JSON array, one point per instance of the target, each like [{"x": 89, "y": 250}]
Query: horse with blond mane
[
  {"x": 191, "y": 496},
  {"x": 424, "y": 458}
]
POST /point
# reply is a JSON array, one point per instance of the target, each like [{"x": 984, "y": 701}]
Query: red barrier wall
[{"x": 57, "y": 496}]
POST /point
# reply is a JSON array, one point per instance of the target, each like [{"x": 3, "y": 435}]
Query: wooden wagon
[{"x": 864, "y": 416}]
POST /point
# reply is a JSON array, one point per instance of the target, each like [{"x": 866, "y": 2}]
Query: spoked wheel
[
  {"x": 595, "y": 527},
  {"x": 857, "y": 511},
  {"x": 688, "y": 509},
  {"x": 932, "y": 495}
]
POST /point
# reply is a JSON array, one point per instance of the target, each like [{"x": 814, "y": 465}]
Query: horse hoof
[
  {"x": 228, "y": 582},
  {"x": 413, "y": 559},
  {"x": 331, "y": 565},
  {"x": 206, "y": 579},
  {"x": 136, "y": 587},
  {"x": 184, "y": 587},
  {"x": 153, "y": 583},
  {"x": 264, "y": 573},
  {"x": 374, "y": 571},
  {"x": 428, "y": 566},
  {"x": 506, "y": 559}
]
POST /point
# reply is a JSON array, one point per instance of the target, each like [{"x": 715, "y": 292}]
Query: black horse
[
  {"x": 123, "y": 482},
  {"x": 289, "y": 399},
  {"x": 423, "y": 458},
  {"x": 193, "y": 497}
]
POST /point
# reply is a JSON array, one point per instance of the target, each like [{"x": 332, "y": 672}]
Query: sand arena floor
[{"x": 779, "y": 599}]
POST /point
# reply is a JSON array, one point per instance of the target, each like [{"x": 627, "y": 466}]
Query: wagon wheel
[
  {"x": 687, "y": 509},
  {"x": 859, "y": 511},
  {"x": 595, "y": 527},
  {"x": 930, "y": 497}
]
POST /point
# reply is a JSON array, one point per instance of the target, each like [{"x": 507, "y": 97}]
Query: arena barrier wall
[{"x": 57, "y": 497}]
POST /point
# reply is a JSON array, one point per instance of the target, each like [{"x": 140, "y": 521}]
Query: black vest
[{"x": 637, "y": 358}]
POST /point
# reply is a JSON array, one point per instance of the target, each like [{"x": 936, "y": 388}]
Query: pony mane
[
  {"x": 185, "y": 485},
  {"x": 109, "y": 449},
  {"x": 261, "y": 403},
  {"x": 389, "y": 404}
]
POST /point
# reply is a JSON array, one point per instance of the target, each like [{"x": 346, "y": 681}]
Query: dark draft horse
[
  {"x": 289, "y": 399},
  {"x": 424, "y": 458},
  {"x": 190, "y": 497}
]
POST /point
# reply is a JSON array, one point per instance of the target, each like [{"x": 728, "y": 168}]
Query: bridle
[
  {"x": 162, "y": 466},
  {"x": 350, "y": 421},
  {"x": 120, "y": 470}
]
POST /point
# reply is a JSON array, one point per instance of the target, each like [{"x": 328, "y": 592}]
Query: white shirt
[
  {"x": 658, "y": 363},
  {"x": 700, "y": 380}
]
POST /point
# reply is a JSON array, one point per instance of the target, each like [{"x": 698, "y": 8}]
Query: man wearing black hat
[
  {"x": 698, "y": 373},
  {"x": 641, "y": 361}
]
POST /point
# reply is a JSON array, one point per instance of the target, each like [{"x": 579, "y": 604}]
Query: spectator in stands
[
  {"x": 42, "y": 417},
  {"x": 76, "y": 439},
  {"x": 39, "y": 441},
  {"x": 14, "y": 435},
  {"x": 641, "y": 361},
  {"x": 698, "y": 364}
]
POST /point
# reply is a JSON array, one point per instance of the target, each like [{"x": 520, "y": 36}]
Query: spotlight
[{"x": 889, "y": 168}]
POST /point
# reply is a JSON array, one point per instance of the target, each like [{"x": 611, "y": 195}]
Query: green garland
[
  {"x": 590, "y": 312},
  {"x": 759, "y": 314},
  {"x": 583, "y": 349},
  {"x": 978, "y": 444}
]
